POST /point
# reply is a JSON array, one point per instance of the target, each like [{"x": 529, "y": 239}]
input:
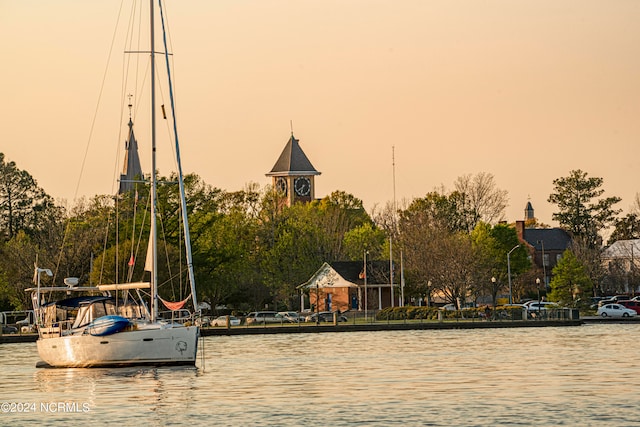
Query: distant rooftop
[
  {"x": 293, "y": 161},
  {"x": 553, "y": 238}
]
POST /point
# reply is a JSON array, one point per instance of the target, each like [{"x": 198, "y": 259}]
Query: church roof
[
  {"x": 293, "y": 161},
  {"x": 132, "y": 168}
]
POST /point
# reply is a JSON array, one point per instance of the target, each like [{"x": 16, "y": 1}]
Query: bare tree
[
  {"x": 438, "y": 256},
  {"x": 483, "y": 201}
]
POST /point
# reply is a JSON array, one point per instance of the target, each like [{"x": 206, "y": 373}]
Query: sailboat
[{"x": 90, "y": 326}]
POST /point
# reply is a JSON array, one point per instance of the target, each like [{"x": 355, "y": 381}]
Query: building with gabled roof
[
  {"x": 293, "y": 175},
  {"x": 621, "y": 259},
  {"x": 546, "y": 244},
  {"x": 341, "y": 286},
  {"x": 622, "y": 249}
]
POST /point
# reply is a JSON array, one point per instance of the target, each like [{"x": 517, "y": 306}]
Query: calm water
[{"x": 573, "y": 376}]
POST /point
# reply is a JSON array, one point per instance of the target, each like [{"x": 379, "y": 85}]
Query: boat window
[
  {"x": 99, "y": 310},
  {"x": 84, "y": 316},
  {"x": 110, "y": 308},
  {"x": 89, "y": 312}
]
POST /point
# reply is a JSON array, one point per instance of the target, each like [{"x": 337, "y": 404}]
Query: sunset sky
[{"x": 526, "y": 90}]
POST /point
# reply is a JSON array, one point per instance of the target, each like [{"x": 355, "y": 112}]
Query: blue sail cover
[{"x": 107, "y": 325}]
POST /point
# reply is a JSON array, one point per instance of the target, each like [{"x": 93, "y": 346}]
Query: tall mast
[
  {"x": 154, "y": 184},
  {"x": 183, "y": 201},
  {"x": 393, "y": 223}
]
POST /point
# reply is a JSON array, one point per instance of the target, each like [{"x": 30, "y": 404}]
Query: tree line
[{"x": 250, "y": 250}]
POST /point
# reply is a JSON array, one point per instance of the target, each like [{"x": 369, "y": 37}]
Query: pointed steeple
[
  {"x": 293, "y": 161},
  {"x": 132, "y": 168},
  {"x": 528, "y": 211}
]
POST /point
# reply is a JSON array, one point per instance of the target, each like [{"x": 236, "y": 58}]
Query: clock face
[
  {"x": 281, "y": 185},
  {"x": 302, "y": 186}
]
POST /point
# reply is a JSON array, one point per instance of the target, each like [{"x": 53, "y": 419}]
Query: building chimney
[{"x": 520, "y": 230}]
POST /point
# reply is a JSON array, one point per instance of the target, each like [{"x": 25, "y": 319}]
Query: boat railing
[
  {"x": 56, "y": 329},
  {"x": 181, "y": 316}
]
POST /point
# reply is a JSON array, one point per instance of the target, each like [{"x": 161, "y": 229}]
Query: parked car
[
  {"x": 616, "y": 310},
  {"x": 26, "y": 326},
  {"x": 222, "y": 321},
  {"x": 613, "y": 300},
  {"x": 8, "y": 329},
  {"x": 449, "y": 307},
  {"x": 325, "y": 316},
  {"x": 290, "y": 316},
  {"x": 539, "y": 305},
  {"x": 262, "y": 317},
  {"x": 633, "y": 305},
  {"x": 203, "y": 321}
]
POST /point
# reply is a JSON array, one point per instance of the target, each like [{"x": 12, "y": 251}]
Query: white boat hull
[{"x": 154, "y": 344}]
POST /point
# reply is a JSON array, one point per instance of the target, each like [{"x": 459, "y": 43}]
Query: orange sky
[{"x": 526, "y": 90}]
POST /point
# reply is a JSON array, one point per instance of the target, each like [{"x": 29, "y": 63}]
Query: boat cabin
[{"x": 65, "y": 316}]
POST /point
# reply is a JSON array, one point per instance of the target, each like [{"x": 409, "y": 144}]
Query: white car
[
  {"x": 290, "y": 316},
  {"x": 222, "y": 321},
  {"x": 540, "y": 305},
  {"x": 616, "y": 310}
]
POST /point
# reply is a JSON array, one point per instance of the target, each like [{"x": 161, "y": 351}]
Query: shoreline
[
  {"x": 369, "y": 327},
  {"x": 313, "y": 328}
]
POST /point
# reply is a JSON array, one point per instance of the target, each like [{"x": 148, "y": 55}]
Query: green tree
[
  {"x": 226, "y": 257},
  {"x": 336, "y": 215},
  {"x": 364, "y": 237},
  {"x": 5, "y": 294},
  {"x": 23, "y": 204},
  {"x": 492, "y": 244},
  {"x": 435, "y": 210},
  {"x": 580, "y": 211},
  {"x": 17, "y": 257},
  {"x": 294, "y": 252},
  {"x": 626, "y": 228},
  {"x": 570, "y": 284}
]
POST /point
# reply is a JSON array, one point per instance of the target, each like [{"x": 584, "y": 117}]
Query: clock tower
[{"x": 293, "y": 174}]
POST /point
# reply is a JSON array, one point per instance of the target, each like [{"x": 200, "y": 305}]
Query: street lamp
[
  {"x": 538, "y": 286},
  {"x": 509, "y": 272},
  {"x": 365, "y": 285},
  {"x": 493, "y": 290},
  {"x": 317, "y": 303},
  {"x": 544, "y": 265}
]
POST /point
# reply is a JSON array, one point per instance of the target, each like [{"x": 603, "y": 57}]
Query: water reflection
[{"x": 546, "y": 376}]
